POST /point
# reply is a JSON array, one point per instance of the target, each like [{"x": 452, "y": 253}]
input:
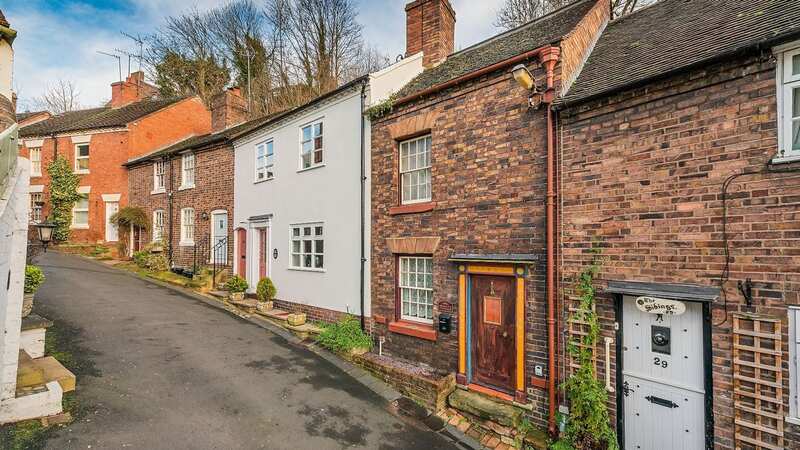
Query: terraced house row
[{"x": 452, "y": 199}]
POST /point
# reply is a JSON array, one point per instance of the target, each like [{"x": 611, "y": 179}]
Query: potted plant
[
  {"x": 237, "y": 287},
  {"x": 33, "y": 279},
  {"x": 265, "y": 292}
]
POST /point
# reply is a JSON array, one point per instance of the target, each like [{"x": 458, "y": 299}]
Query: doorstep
[{"x": 33, "y": 374}]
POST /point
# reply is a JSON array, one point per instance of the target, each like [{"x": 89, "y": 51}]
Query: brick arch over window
[{"x": 412, "y": 126}]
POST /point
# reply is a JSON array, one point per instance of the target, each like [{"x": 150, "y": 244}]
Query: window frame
[
  {"x": 78, "y": 157},
  {"x": 302, "y": 253},
  {"x": 75, "y": 209},
  {"x": 186, "y": 170},
  {"x": 185, "y": 239},
  {"x": 36, "y": 211},
  {"x": 157, "y": 213},
  {"x": 156, "y": 188},
  {"x": 36, "y": 164},
  {"x": 428, "y": 138},
  {"x": 268, "y": 169},
  {"x": 786, "y": 83},
  {"x": 314, "y": 150},
  {"x": 402, "y": 316}
]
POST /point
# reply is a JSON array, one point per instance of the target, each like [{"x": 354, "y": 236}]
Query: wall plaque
[
  {"x": 664, "y": 306},
  {"x": 492, "y": 310}
]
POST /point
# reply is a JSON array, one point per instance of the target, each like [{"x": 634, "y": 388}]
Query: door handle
[{"x": 661, "y": 401}]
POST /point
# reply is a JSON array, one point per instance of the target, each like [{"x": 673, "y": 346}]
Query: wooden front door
[
  {"x": 241, "y": 236},
  {"x": 263, "y": 254},
  {"x": 493, "y": 323}
]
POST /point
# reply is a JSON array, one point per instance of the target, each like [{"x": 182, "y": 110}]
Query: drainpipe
[
  {"x": 363, "y": 204},
  {"x": 549, "y": 58},
  {"x": 168, "y": 160}
]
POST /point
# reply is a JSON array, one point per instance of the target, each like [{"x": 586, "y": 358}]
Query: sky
[{"x": 59, "y": 39}]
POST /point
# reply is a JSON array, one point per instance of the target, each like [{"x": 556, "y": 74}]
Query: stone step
[
  {"x": 275, "y": 313},
  {"x": 55, "y": 371},
  {"x": 28, "y": 373},
  {"x": 219, "y": 293}
]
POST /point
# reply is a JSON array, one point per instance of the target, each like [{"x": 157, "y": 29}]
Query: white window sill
[
  {"x": 416, "y": 320},
  {"x": 262, "y": 181},
  {"x": 82, "y": 172},
  {"x": 793, "y": 420},
  {"x": 79, "y": 227},
  {"x": 311, "y": 168},
  {"x": 307, "y": 269},
  {"x": 785, "y": 160},
  {"x": 188, "y": 186},
  {"x": 158, "y": 191},
  {"x": 35, "y": 175},
  {"x": 414, "y": 202},
  {"x": 186, "y": 243}
]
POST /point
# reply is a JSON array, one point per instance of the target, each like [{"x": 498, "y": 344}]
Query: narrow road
[{"x": 175, "y": 373}]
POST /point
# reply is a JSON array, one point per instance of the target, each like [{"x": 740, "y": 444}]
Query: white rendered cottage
[{"x": 302, "y": 196}]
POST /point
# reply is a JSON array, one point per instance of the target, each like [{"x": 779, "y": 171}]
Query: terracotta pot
[
  {"x": 264, "y": 306},
  {"x": 237, "y": 296},
  {"x": 27, "y": 304}
]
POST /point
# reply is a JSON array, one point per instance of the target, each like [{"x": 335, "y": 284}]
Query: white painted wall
[
  {"x": 384, "y": 83},
  {"x": 6, "y": 68}
]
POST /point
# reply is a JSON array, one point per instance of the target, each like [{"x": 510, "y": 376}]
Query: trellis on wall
[
  {"x": 578, "y": 330},
  {"x": 757, "y": 382}
]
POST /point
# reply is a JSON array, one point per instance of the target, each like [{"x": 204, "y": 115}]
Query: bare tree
[
  {"x": 514, "y": 13},
  {"x": 59, "y": 97}
]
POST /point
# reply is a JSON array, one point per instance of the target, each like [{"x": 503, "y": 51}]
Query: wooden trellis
[
  {"x": 577, "y": 330},
  {"x": 757, "y": 382}
]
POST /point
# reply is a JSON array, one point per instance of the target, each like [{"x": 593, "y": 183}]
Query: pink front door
[{"x": 241, "y": 270}]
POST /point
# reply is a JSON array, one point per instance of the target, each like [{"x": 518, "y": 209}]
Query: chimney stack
[
  {"x": 228, "y": 108},
  {"x": 133, "y": 89},
  {"x": 430, "y": 28}
]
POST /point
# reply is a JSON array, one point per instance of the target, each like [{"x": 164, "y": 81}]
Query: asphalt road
[{"x": 170, "y": 372}]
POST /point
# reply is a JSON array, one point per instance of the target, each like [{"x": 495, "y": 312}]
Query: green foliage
[
  {"x": 265, "y": 291},
  {"x": 178, "y": 75},
  {"x": 236, "y": 284},
  {"x": 154, "y": 261},
  {"x": 130, "y": 216},
  {"x": 525, "y": 426},
  {"x": 34, "y": 277},
  {"x": 140, "y": 258},
  {"x": 344, "y": 335},
  {"x": 588, "y": 426},
  {"x": 63, "y": 195},
  {"x": 381, "y": 109}
]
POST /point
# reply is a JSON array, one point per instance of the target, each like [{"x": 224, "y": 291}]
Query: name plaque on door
[
  {"x": 664, "y": 306},
  {"x": 492, "y": 310}
]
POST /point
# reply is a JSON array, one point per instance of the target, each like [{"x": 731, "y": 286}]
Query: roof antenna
[
  {"x": 138, "y": 39},
  {"x": 119, "y": 62}
]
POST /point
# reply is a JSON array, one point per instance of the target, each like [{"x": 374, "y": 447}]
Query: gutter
[
  {"x": 363, "y": 205},
  {"x": 476, "y": 74}
]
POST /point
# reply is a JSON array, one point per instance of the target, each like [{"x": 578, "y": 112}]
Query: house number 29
[{"x": 660, "y": 362}]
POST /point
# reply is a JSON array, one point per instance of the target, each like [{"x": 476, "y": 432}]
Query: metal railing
[
  {"x": 216, "y": 256},
  {"x": 9, "y": 150}
]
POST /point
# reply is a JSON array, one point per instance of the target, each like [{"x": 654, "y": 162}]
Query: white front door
[
  {"x": 219, "y": 233},
  {"x": 112, "y": 233},
  {"x": 663, "y": 378}
]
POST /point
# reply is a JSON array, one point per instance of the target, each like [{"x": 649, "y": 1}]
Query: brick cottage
[
  {"x": 679, "y": 158},
  {"x": 98, "y": 141},
  {"x": 459, "y": 176},
  {"x": 187, "y": 188}
]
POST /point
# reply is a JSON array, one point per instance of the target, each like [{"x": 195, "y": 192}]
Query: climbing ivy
[
  {"x": 63, "y": 195},
  {"x": 588, "y": 426}
]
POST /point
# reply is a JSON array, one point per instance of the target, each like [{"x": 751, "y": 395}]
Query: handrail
[{"x": 9, "y": 151}]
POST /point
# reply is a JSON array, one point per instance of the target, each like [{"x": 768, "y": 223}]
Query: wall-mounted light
[
  {"x": 204, "y": 215},
  {"x": 526, "y": 80}
]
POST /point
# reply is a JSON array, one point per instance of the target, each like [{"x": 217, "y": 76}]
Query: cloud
[{"x": 61, "y": 39}]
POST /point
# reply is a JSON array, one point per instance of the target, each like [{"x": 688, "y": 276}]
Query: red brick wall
[
  {"x": 213, "y": 191},
  {"x": 642, "y": 172},
  {"x": 110, "y": 150},
  {"x": 488, "y": 184},
  {"x": 576, "y": 46}
]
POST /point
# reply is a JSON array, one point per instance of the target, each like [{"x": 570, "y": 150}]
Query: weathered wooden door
[
  {"x": 241, "y": 237},
  {"x": 663, "y": 378},
  {"x": 263, "y": 253},
  {"x": 493, "y": 352}
]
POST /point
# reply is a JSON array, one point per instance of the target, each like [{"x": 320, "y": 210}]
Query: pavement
[{"x": 170, "y": 371}]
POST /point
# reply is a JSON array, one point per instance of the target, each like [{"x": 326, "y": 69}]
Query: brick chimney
[
  {"x": 228, "y": 108},
  {"x": 133, "y": 89},
  {"x": 430, "y": 28}
]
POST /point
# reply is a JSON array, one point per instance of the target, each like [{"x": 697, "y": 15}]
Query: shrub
[
  {"x": 140, "y": 258},
  {"x": 34, "y": 277},
  {"x": 344, "y": 335},
  {"x": 265, "y": 291},
  {"x": 236, "y": 284},
  {"x": 156, "y": 262}
]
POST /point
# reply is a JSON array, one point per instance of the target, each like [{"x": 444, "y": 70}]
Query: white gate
[{"x": 663, "y": 383}]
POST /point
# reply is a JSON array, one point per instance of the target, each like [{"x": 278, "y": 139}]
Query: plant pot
[
  {"x": 27, "y": 304},
  {"x": 358, "y": 351},
  {"x": 236, "y": 296},
  {"x": 296, "y": 320},
  {"x": 264, "y": 306}
]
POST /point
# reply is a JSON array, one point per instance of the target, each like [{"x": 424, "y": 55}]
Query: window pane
[
  {"x": 306, "y": 246},
  {"x": 318, "y": 129},
  {"x": 318, "y": 157},
  {"x": 296, "y": 260},
  {"x": 295, "y": 231},
  {"x": 296, "y": 246},
  {"x": 307, "y": 231},
  {"x": 318, "y": 261},
  {"x": 318, "y": 231},
  {"x": 81, "y": 217},
  {"x": 306, "y": 260},
  {"x": 318, "y": 246},
  {"x": 270, "y": 150},
  {"x": 318, "y": 143},
  {"x": 796, "y": 134},
  {"x": 83, "y": 150},
  {"x": 307, "y": 133},
  {"x": 796, "y": 65},
  {"x": 83, "y": 164}
]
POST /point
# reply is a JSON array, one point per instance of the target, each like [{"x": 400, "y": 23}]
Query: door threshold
[{"x": 490, "y": 392}]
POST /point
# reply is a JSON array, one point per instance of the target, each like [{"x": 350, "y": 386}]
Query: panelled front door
[
  {"x": 263, "y": 252},
  {"x": 663, "y": 383},
  {"x": 112, "y": 233},
  {"x": 241, "y": 257},
  {"x": 219, "y": 250},
  {"x": 493, "y": 324}
]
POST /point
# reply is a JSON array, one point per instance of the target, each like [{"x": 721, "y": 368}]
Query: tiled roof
[
  {"x": 28, "y": 114},
  {"x": 91, "y": 119},
  {"x": 3, "y": 21},
  {"x": 196, "y": 142},
  {"x": 547, "y": 29},
  {"x": 672, "y": 35}
]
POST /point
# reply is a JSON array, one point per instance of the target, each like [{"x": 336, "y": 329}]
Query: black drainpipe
[
  {"x": 170, "y": 209},
  {"x": 363, "y": 203}
]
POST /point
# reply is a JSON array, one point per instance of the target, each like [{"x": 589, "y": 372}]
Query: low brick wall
[{"x": 418, "y": 384}]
